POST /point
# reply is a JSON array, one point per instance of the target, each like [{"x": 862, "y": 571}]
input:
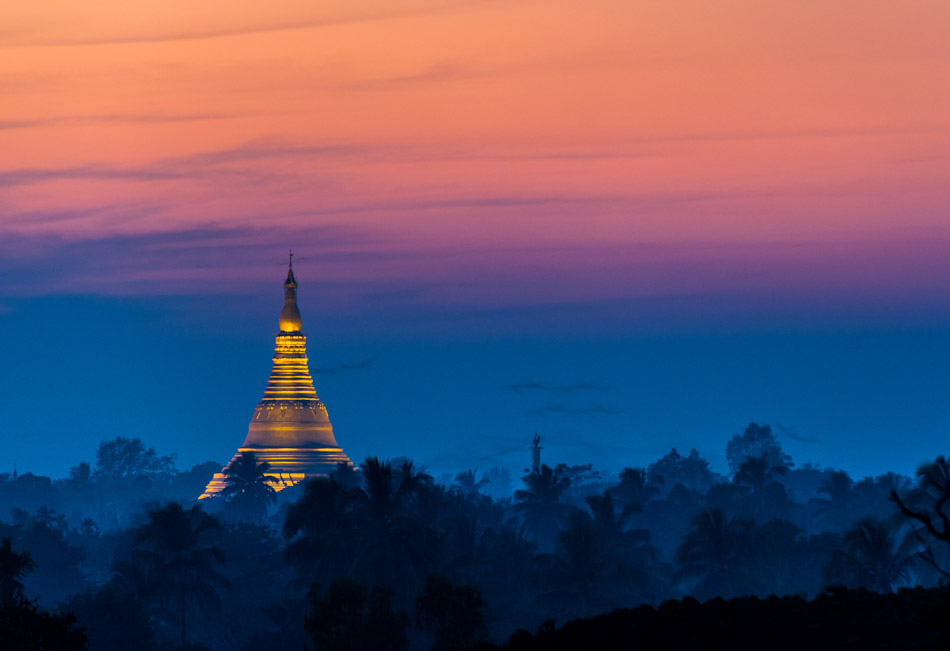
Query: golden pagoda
[{"x": 290, "y": 428}]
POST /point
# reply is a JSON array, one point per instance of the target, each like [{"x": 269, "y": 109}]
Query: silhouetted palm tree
[
  {"x": 180, "y": 567},
  {"x": 835, "y": 511},
  {"x": 540, "y": 506},
  {"x": 467, "y": 484},
  {"x": 779, "y": 547},
  {"x": 395, "y": 547},
  {"x": 346, "y": 475},
  {"x": 13, "y": 567},
  {"x": 756, "y": 472},
  {"x": 321, "y": 531},
  {"x": 636, "y": 488},
  {"x": 877, "y": 556},
  {"x": 249, "y": 487},
  {"x": 507, "y": 559},
  {"x": 720, "y": 551},
  {"x": 599, "y": 562}
]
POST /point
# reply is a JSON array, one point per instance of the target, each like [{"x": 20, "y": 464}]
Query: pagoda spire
[{"x": 290, "y": 428}]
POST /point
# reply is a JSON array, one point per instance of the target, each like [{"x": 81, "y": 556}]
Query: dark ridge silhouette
[{"x": 910, "y": 620}]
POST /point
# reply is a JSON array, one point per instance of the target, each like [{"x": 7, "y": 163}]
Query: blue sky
[{"x": 184, "y": 373}]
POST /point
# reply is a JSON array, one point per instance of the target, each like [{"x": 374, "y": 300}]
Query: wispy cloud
[
  {"x": 256, "y": 151},
  {"x": 576, "y": 387},
  {"x": 9, "y": 125},
  {"x": 113, "y": 118},
  {"x": 342, "y": 368},
  {"x": 26, "y": 176},
  {"x": 11, "y": 39},
  {"x": 439, "y": 72},
  {"x": 172, "y": 262},
  {"x": 591, "y": 410},
  {"x": 781, "y": 134},
  {"x": 792, "y": 435}
]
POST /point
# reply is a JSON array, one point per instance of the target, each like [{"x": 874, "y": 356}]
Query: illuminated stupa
[{"x": 290, "y": 428}]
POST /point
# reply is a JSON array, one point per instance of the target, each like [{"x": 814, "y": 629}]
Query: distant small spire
[
  {"x": 536, "y": 453},
  {"x": 291, "y": 263},
  {"x": 14, "y": 471}
]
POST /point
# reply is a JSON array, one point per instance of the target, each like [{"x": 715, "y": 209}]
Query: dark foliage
[
  {"x": 455, "y": 614},
  {"x": 24, "y": 626},
  {"x": 174, "y": 564},
  {"x": 350, "y": 618},
  {"x": 13, "y": 567},
  {"x": 112, "y": 620}
]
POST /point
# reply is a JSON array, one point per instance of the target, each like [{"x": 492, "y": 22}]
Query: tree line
[{"x": 387, "y": 557}]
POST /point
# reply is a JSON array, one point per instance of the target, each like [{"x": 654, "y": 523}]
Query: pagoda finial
[
  {"x": 291, "y": 282},
  {"x": 290, "y": 315}
]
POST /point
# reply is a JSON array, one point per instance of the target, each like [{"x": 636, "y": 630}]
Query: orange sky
[{"x": 450, "y": 126}]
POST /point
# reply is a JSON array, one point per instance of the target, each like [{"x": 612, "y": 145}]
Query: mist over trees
[{"x": 120, "y": 554}]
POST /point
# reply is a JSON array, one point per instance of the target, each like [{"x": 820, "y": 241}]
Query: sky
[{"x": 711, "y": 213}]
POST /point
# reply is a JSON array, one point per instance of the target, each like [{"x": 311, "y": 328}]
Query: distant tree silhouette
[
  {"x": 348, "y": 618},
  {"x": 13, "y": 567},
  {"x": 81, "y": 472},
  {"x": 543, "y": 513},
  {"x": 180, "y": 568},
  {"x": 248, "y": 486},
  {"x": 188, "y": 484},
  {"x": 877, "y": 556},
  {"x": 691, "y": 471},
  {"x": 754, "y": 442},
  {"x": 455, "y": 614},
  {"x": 126, "y": 458}
]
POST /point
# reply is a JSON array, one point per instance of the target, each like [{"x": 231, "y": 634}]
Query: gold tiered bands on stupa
[{"x": 290, "y": 428}]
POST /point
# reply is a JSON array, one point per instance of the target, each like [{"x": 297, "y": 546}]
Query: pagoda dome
[{"x": 290, "y": 318}]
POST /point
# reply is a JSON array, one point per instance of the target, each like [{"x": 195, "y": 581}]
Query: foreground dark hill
[{"x": 911, "y": 619}]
